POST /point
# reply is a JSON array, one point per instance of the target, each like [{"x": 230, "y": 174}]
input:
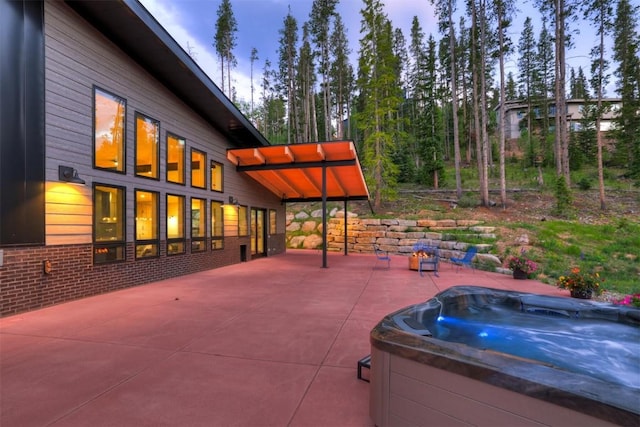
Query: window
[
  {"x": 109, "y": 113},
  {"x": 198, "y": 169},
  {"x": 217, "y": 225},
  {"x": 175, "y": 159},
  {"x": 273, "y": 223},
  {"x": 198, "y": 225},
  {"x": 536, "y": 112},
  {"x": 216, "y": 176},
  {"x": 175, "y": 224},
  {"x": 243, "y": 226},
  {"x": 108, "y": 224},
  {"x": 147, "y": 236},
  {"x": 147, "y": 147}
]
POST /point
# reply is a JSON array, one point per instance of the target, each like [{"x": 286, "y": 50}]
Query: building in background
[{"x": 516, "y": 115}]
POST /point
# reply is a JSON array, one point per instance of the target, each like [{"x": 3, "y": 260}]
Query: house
[
  {"x": 121, "y": 162},
  {"x": 516, "y": 114}
]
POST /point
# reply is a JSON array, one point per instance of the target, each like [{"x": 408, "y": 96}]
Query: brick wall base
[{"x": 25, "y": 286}]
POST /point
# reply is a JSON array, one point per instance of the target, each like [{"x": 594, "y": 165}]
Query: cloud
[{"x": 171, "y": 16}]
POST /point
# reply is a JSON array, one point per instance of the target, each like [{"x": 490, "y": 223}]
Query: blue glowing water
[{"x": 599, "y": 348}]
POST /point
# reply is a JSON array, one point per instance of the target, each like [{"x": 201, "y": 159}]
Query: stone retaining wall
[{"x": 396, "y": 236}]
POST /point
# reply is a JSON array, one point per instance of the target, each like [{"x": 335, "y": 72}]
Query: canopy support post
[
  {"x": 324, "y": 215},
  {"x": 345, "y": 227}
]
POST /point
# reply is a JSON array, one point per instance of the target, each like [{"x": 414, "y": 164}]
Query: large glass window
[
  {"x": 217, "y": 173},
  {"x": 198, "y": 225},
  {"x": 175, "y": 158},
  {"x": 147, "y": 147},
  {"x": 108, "y": 223},
  {"x": 243, "y": 225},
  {"x": 175, "y": 224},
  {"x": 217, "y": 225},
  {"x": 109, "y": 118},
  {"x": 258, "y": 232},
  {"x": 147, "y": 218},
  {"x": 198, "y": 169}
]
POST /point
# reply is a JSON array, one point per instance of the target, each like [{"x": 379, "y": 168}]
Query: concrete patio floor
[{"x": 271, "y": 342}]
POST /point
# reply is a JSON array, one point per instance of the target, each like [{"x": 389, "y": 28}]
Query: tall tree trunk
[
  {"x": 561, "y": 103},
  {"x": 454, "y": 103},
  {"x": 222, "y": 73},
  {"x": 314, "y": 118},
  {"x": 486, "y": 149},
  {"x": 502, "y": 124},
  {"x": 603, "y": 204}
]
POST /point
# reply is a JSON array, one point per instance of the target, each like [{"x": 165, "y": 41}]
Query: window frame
[
  {"x": 176, "y": 240},
  {"x": 243, "y": 221},
  {"x": 146, "y": 242},
  {"x": 123, "y": 149},
  {"x": 108, "y": 245},
  {"x": 215, "y": 238},
  {"x": 273, "y": 221},
  {"x": 203, "y": 220},
  {"x": 204, "y": 168},
  {"x": 184, "y": 155},
  {"x": 138, "y": 115},
  {"x": 212, "y": 166}
]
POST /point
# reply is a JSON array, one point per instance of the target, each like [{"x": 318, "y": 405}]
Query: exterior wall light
[{"x": 70, "y": 175}]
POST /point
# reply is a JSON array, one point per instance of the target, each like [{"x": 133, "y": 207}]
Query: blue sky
[{"x": 192, "y": 25}]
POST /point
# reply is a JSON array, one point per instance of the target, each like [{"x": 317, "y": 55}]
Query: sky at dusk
[{"x": 192, "y": 24}]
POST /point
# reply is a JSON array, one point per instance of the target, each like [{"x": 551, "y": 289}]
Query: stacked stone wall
[{"x": 396, "y": 236}]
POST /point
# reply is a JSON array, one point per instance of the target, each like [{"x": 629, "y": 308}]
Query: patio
[{"x": 272, "y": 342}]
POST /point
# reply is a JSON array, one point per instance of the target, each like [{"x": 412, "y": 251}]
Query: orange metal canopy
[{"x": 295, "y": 172}]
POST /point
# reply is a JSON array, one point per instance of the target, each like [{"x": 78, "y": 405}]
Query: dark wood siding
[{"x": 22, "y": 141}]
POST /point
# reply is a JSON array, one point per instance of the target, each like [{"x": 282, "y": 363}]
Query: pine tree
[
  {"x": 341, "y": 75},
  {"x": 445, "y": 10},
  {"x": 544, "y": 81},
  {"x": 287, "y": 73},
  {"x": 599, "y": 11},
  {"x": 626, "y": 49},
  {"x": 225, "y": 41},
  {"x": 253, "y": 58},
  {"x": 306, "y": 83},
  {"x": 512, "y": 89},
  {"x": 322, "y": 13},
  {"x": 379, "y": 100},
  {"x": 578, "y": 86},
  {"x": 478, "y": 66},
  {"x": 416, "y": 93},
  {"x": 527, "y": 76},
  {"x": 503, "y": 10}
]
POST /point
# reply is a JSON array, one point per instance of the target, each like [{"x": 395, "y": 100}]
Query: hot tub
[{"x": 481, "y": 356}]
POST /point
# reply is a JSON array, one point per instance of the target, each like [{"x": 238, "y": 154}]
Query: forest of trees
[{"x": 419, "y": 101}]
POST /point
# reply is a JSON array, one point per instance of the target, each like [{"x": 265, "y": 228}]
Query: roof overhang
[{"x": 296, "y": 172}]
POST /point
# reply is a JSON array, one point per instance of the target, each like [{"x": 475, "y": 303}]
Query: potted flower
[
  {"x": 580, "y": 285},
  {"x": 521, "y": 266}
]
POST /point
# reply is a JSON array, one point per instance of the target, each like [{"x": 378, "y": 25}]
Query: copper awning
[{"x": 295, "y": 172}]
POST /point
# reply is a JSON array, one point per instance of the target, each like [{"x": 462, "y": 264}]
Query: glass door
[{"x": 258, "y": 233}]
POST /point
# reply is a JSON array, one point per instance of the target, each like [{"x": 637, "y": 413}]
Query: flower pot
[
  {"x": 519, "y": 274},
  {"x": 581, "y": 293}
]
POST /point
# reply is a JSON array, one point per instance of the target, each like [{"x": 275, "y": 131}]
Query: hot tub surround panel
[{"x": 497, "y": 385}]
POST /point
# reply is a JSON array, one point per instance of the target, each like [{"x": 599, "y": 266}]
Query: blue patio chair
[
  {"x": 466, "y": 260},
  {"x": 381, "y": 256}
]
